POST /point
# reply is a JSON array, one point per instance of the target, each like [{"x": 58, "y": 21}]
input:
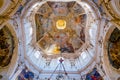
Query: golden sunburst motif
[{"x": 61, "y": 24}]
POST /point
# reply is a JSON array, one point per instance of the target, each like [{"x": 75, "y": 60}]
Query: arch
[
  {"x": 9, "y": 69},
  {"x": 106, "y": 64}
]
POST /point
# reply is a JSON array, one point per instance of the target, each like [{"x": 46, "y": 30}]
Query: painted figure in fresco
[
  {"x": 76, "y": 42},
  {"x": 63, "y": 40},
  {"x": 80, "y": 22},
  {"x": 60, "y": 9},
  {"x": 45, "y": 10},
  {"x": 77, "y": 9},
  {"x": 6, "y": 49},
  {"x": 114, "y": 49},
  {"x": 67, "y": 48},
  {"x": 46, "y": 41},
  {"x": 26, "y": 75},
  {"x": 94, "y": 75}
]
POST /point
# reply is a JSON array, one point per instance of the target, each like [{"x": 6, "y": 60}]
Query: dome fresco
[{"x": 59, "y": 29}]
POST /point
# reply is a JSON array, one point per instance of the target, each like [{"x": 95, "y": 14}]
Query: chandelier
[{"x": 61, "y": 75}]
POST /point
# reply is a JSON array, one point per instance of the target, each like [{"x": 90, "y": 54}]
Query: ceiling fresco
[
  {"x": 26, "y": 74},
  {"x": 114, "y": 48},
  {"x": 1, "y": 3},
  {"x": 6, "y": 46},
  {"x": 94, "y": 75},
  {"x": 60, "y": 27}
]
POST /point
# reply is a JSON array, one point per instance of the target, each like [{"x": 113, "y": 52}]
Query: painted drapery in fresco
[
  {"x": 93, "y": 75},
  {"x": 26, "y": 75}
]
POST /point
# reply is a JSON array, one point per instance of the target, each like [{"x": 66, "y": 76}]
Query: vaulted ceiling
[{"x": 36, "y": 34}]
